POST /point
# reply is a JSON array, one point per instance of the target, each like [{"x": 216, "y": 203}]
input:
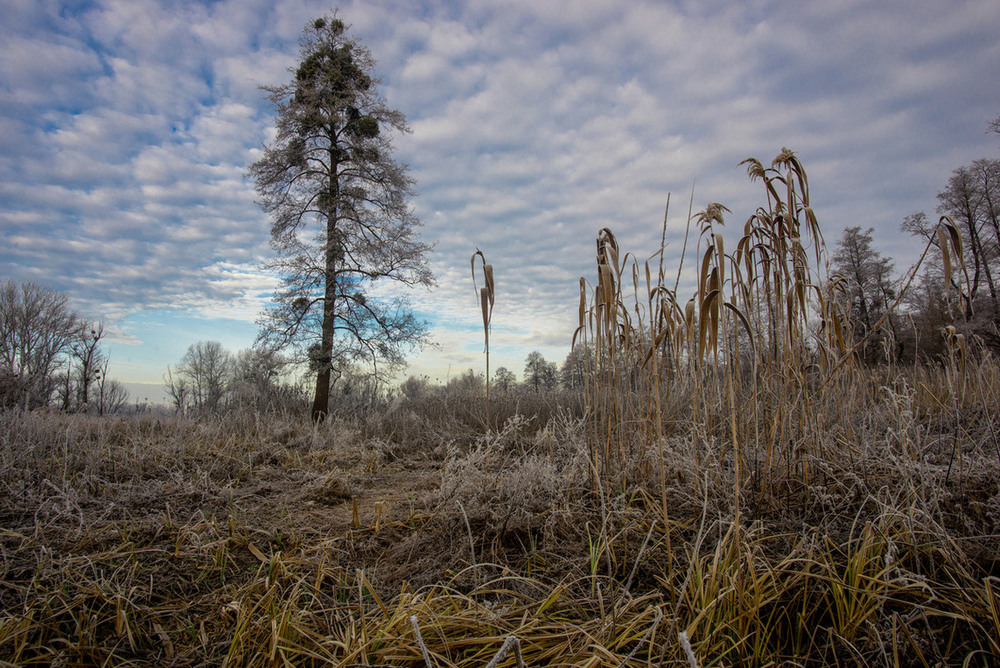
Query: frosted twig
[
  {"x": 511, "y": 641},
  {"x": 420, "y": 641},
  {"x": 686, "y": 644}
]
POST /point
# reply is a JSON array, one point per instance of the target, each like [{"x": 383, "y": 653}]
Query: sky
[{"x": 127, "y": 126}]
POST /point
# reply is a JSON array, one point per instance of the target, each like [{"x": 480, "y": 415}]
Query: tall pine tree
[{"x": 342, "y": 224}]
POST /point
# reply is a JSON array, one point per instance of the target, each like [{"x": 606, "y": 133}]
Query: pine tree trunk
[{"x": 321, "y": 402}]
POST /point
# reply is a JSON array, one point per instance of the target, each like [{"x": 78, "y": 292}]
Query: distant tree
[
  {"x": 414, "y": 388},
  {"x": 918, "y": 225},
  {"x": 177, "y": 389},
  {"x": 37, "y": 328},
  {"x": 504, "y": 379},
  {"x": 88, "y": 361},
  {"x": 538, "y": 372},
  {"x": 865, "y": 278},
  {"x": 330, "y": 165},
  {"x": 111, "y": 396},
  {"x": 573, "y": 374},
  {"x": 81, "y": 368},
  {"x": 255, "y": 380},
  {"x": 467, "y": 383},
  {"x": 972, "y": 200},
  {"x": 550, "y": 377},
  {"x": 994, "y": 125},
  {"x": 206, "y": 366},
  {"x": 929, "y": 304},
  {"x": 63, "y": 388}
]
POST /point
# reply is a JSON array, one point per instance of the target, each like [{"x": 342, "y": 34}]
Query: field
[
  {"x": 729, "y": 486},
  {"x": 260, "y": 541}
]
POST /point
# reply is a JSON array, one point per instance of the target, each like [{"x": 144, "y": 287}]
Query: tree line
[
  {"x": 539, "y": 375},
  {"x": 50, "y": 356},
  {"x": 209, "y": 379},
  {"x": 966, "y": 297}
]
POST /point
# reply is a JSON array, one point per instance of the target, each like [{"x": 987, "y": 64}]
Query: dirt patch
[{"x": 335, "y": 502}]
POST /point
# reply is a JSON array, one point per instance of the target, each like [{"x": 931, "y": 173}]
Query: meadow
[{"x": 730, "y": 486}]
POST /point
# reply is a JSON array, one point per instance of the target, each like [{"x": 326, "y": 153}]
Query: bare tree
[
  {"x": 37, "y": 328},
  {"x": 64, "y": 388},
  {"x": 89, "y": 361},
  {"x": 986, "y": 176},
  {"x": 111, "y": 395},
  {"x": 206, "y": 366},
  {"x": 539, "y": 373},
  {"x": 341, "y": 220},
  {"x": 970, "y": 200},
  {"x": 864, "y": 277},
  {"x": 178, "y": 389}
]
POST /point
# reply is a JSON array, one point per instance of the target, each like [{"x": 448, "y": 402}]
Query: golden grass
[{"x": 157, "y": 543}]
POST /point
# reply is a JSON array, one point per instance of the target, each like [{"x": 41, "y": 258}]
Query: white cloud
[{"x": 126, "y": 127}]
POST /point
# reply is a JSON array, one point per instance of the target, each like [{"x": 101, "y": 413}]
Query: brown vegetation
[{"x": 732, "y": 486}]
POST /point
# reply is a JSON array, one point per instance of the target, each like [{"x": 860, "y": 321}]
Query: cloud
[
  {"x": 126, "y": 128},
  {"x": 133, "y": 191}
]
